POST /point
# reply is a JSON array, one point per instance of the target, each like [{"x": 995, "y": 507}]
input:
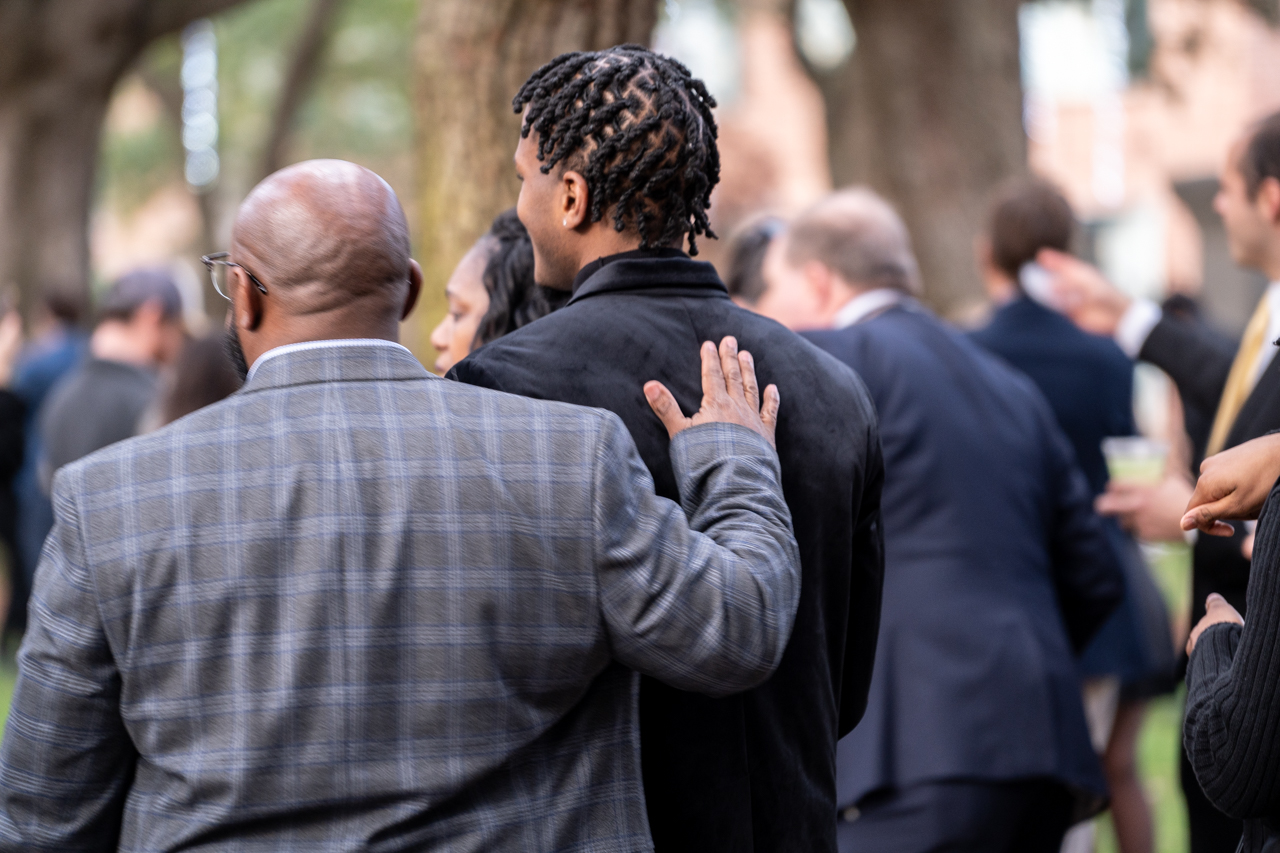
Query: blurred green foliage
[{"x": 358, "y": 106}]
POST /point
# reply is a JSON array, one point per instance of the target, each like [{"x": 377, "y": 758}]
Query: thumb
[
  {"x": 664, "y": 405},
  {"x": 769, "y": 412},
  {"x": 1205, "y": 518}
]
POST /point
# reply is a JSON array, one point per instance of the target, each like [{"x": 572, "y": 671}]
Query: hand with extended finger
[
  {"x": 1233, "y": 484},
  {"x": 730, "y": 394}
]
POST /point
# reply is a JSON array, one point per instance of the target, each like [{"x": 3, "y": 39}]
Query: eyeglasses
[{"x": 219, "y": 268}]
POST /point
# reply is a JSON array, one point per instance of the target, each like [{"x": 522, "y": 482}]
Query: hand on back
[{"x": 730, "y": 394}]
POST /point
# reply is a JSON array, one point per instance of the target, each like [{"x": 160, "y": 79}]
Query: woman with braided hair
[{"x": 618, "y": 159}]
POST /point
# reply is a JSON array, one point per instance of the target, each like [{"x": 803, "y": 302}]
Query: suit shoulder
[{"x": 526, "y": 348}]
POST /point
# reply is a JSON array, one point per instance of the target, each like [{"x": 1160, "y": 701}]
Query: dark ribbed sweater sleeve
[{"x": 1232, "y": 727}]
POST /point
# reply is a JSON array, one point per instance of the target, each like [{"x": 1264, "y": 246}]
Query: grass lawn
[{"x": 1158, "y": 750}]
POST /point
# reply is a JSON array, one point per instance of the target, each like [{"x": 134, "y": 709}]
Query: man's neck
[
  {"x": 602, "y": 241},
  {"x": 114, "y": 341},
  {"x": 301, "y": 330},
  {"x": 861, "y": 304}
]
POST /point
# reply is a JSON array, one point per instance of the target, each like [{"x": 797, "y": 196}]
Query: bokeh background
[{"x": 131, "y": 129}]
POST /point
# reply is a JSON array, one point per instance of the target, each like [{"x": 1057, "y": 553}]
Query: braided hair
[
  {"x": 639, "y": 128},
  {"x": 514, "y": 299}
]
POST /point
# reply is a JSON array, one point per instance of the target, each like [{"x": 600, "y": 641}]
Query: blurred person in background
[
  {"x": 202, "y": 375},
  {"x": 102, "y": 401},
  {"x": 56, "y": 345},
  {"x": 744, "y": 277},
  {"x": 12, "y": 415},
  {"x": 997, "y": 570},
  {"x": 1088, "y": 382},
  {"x": 491, "y": 292},
  {"x": 1237, "y": 391},
  {"x": 610, "y": 195}
]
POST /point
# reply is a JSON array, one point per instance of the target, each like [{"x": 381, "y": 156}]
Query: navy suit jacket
[
  {"x": 996, "y": 570},
  {"x": 1087, "y": 379}
]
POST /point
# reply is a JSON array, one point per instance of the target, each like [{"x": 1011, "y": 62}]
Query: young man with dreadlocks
[{"x": 618, "y": 159}]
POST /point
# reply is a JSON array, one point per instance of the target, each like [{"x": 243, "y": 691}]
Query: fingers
[
  {"x": 750, "y": 387},
  {"x": 769, "y": 411},
  {"x": 664, "y": 405},
  {"x": 1221, "y": 528},
  {"x": 712, "y": 373},
  {"x": 1052, "y": 260},
  {"x": 1118, "y": 503},
  {"x": 730, "y": 367},
  {"x": 1214, "y": 600},
  {"x": 1206, "y": 517}
]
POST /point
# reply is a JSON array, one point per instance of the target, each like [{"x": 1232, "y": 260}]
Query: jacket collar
[
  {"x": 334, "y": 361},
  {"x": 652, "y": 270}
]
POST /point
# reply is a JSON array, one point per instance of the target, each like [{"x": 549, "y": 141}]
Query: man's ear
[
  {"x": 1268, "y": 200},
  {"x": 246, "y": 301},
  {"x": 573, "y": 200},
  {"x": 982, "y": 251},
  {"x": 820, "y": 281},
  {"x": 415, "y": 289}
]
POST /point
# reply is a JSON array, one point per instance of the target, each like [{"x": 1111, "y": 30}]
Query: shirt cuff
[{"x": 1135, "y": 325}]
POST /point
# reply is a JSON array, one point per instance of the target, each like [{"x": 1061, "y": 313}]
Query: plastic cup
[{"x": 1134, "y": 459}]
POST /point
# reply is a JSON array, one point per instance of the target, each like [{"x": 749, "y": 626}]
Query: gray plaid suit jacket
[{"x": 358, "y": 607}]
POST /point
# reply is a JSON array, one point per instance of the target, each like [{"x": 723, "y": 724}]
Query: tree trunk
[
  {"x": 929, "y": 113},
  {"x": 307, "y": 53},
  {"x": 60, "y": 62},
  {"x": 472, "y": 57}
]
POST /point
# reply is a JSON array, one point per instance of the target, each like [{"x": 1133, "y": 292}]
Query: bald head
[
  {"x": 327, "y": 241},
  {"x": 860, "y": 237},
  {"x": 324, "y": 234}
]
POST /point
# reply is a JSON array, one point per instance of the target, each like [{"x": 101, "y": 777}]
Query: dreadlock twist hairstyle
[{"x": 639, "y": 128}]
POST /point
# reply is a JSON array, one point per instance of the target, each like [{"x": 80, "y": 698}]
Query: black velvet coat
[{"x": 756, "y": 771}]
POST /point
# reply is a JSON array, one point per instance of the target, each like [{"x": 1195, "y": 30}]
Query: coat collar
[
  {"x": 334, "y": 361},
  {"x": 648, "y": 270}
]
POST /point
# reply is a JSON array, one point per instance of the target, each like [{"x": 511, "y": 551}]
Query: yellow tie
[{"x": 1240, "y": 379}]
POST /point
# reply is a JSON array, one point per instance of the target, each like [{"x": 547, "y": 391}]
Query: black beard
[{"x": 236, "y": 353}]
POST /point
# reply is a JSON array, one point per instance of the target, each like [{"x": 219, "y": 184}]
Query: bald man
[
  {"x": 996, "y": 574},
  {"x": 357, "y": 607}
]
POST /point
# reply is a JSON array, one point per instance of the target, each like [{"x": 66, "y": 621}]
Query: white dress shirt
[
  {"x": 306, "y": 345},
  {"x": 1135, "y": 327},
  {"x": 864, "y": 305}
]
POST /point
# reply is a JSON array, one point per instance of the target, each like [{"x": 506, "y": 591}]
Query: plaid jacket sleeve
[
  {"x": 704, "y": 604},
  {"x": 66, "y": 761}
]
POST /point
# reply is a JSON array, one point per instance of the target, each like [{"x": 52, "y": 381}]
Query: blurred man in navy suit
[
  {"x": 1088, "y": 382},
  {"x": 997, "y": 571}
]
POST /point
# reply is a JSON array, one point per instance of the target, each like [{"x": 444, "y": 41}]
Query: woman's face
[{"x": 468, "y": 302}]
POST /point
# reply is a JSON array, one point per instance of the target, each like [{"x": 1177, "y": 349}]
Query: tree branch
[
  {"x": 302, "y": 71},
  {"x": 1268, "y": 9},
  {"x": 167, "y": 16}
]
